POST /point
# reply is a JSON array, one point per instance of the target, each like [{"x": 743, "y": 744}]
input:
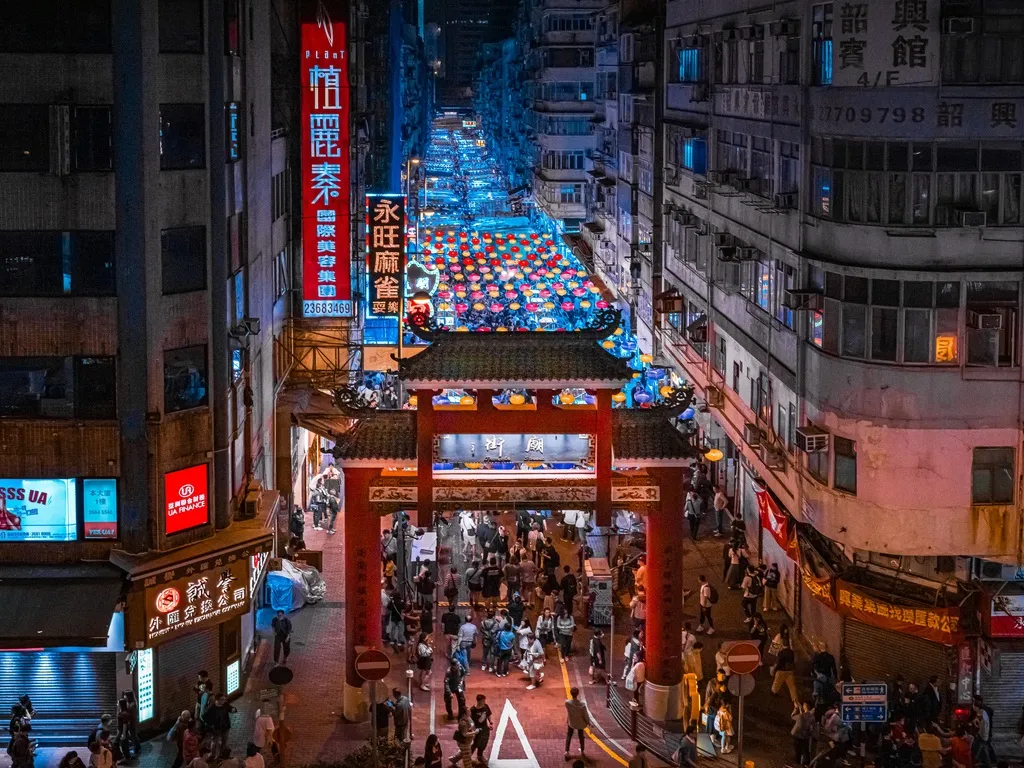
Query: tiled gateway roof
[
  {"x": 646, "y": 435},
  {"x": 379, "y": 435},
  {"x": 541, "y": 358},
  {"x": 640, "y": 436}
]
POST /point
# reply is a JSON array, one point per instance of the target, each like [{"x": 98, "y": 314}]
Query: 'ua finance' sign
[{"x": 326, "y": 273}]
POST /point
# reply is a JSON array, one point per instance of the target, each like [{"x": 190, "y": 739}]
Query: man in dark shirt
[
  {"x": 550, "y": 559},
  {"x": 784, "y": 672},
  {"x": 454, "y": 685},
  {"x": 481, "y": 717},
  {"x": 450, "y": 622},
  {"x": 569, "y": 587},
  {"x": 282, "y": 627},
  {"x": 492, "y": 579}
]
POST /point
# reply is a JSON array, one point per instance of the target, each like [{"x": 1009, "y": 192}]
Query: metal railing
[{"x": 640, "y": 727}]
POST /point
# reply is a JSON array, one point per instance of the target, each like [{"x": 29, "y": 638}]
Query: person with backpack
[
  {"x": 464, "y": 736},
  {"x": 488, "y": 636},
  {"x": 633, "y": 647},
  {"x": 475, "y": 583},
  {"x": 425, "y": 587},
  {"x": 752, "y": 588},
  {"x": 772, "y": 577},
  {"x": 597, "y": 656},
  {"x": 452, "y": 582},
  {"x": 455, "y": 685},
  {"x": 506, "y": 642},
  {"x": 707, "y": 597}
]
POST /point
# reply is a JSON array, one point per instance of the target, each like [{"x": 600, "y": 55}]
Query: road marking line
[
  {"x": 604, "y": 747},
  {"x": 508, "y": 713}
]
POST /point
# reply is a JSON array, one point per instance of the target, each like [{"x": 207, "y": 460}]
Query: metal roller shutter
[
  {"x": 1003, "y": 690},
  {"x": 178, "y": 662},
  {"x": 69, "y": 691},
  {"x": 819, "y": 622},
  {"x": 877, "y": 654}
]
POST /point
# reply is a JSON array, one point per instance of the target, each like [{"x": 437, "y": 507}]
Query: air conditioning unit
[
  {"x": 809, "y": 300},
  {"x": 714, "y": 396},
  {"x": 958, "y": 25},
  {"x": 721, "y": 238},
  {"x": 726, "y": 252},
  {"x": 785, "y": 200},
  {"x": 727, "y": 278},
  {"x": 703, "y": 229},
  {"x": 811, "y": 439},
  {"x": 746, "y": 33},
  {"x": 688, "y": 221},
  {"x": 730, "y": 34},
  {"x": 700, "y": 191},
  {"x": 984, "y": 321},
  {"x": 986, "y": 570},
  {"x": 746, "y": 253},
  {"x": 699, "y": 92},
  {"x": 716, "y": 177},
  {"x": 785, "y": 28},
  {"x": 972, "y": 218},
  {"x": 772, "y": 457},
  {"x": 751, "y": 434}
]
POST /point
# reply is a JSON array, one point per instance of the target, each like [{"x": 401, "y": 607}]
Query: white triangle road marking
[{"x": 530, "y": 761}]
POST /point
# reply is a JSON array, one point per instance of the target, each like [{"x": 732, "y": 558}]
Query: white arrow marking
[{"x": 530, "y": 761}]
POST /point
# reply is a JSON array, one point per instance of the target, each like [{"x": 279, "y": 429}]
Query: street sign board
[
  {"x": 373, "y": 665},
  {"x": 865, "y": 702},
  {"x": 743, "y": 658},
  {"x": 741, "y": 685}
]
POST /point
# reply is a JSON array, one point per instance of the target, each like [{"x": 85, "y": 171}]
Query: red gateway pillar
[
  {"x": 603, "y": 458},
  {"x": 361, "y": 530},
  {"x": 424, "y": 458},
  {"x": 663, "y": 698}
]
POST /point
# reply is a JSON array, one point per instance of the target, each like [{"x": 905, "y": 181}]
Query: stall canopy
[{"x": 47, "y": 607}]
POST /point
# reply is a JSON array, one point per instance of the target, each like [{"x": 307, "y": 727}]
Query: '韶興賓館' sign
[{"x": 324, "y": 139}]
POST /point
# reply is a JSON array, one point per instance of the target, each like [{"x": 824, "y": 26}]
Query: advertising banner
[
  {"x": 186, "y": 499},
  {"x": 1006, "y": 616},
  {"x": 38, "y": 510},
  {"x": 385, "y": 254},
  {"x": 940, "y": 625},
  {"x": 324, "y": 152},
  {"x": 883, "y": 43},
  {"x": 99, "y": 508}
]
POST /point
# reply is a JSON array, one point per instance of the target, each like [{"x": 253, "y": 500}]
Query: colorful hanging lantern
[
  {"x": 608, "y": 344},
  {"x": 517, "y": 399},
  {"x": 619, "y": 397},
  {"x": 642, "y": 396},
  {"x": 567, "y": 398}
]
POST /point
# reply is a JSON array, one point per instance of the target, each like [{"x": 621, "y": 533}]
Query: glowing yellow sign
[{"x": 945, "y": 348}]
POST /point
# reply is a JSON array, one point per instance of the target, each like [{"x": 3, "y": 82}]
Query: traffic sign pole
[
  {"x": 739, "y": 733},
  {"x": 373, "y": 725}
]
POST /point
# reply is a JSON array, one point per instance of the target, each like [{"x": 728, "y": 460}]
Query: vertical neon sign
[{"x": 325, "y": 137}]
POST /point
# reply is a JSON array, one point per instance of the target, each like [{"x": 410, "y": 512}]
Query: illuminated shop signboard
[
  {"x": 186, "y": 499},
  {"x": 204, "y": 597},
  {"x": 38, "y": 510},
  {"x": 325, "y": 136},
  {"x": 385, "y": 254}
]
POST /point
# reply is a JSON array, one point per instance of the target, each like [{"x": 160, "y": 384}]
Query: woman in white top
[
  {"x": 569, "y": 524},
  {"x": 535, "y": 662},
  {"x": 467, "y": 526}
]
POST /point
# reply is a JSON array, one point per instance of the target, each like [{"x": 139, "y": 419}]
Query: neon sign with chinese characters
[
  {"x": 198, "y": 598},
  {"x": 325, "y": 137}
]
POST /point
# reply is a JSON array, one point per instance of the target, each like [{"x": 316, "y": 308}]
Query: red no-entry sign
[
  {"x": 375, "y": 665},
  {"x": 743, "y": 658}
]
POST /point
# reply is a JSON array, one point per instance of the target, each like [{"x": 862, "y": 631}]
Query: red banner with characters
[
  {"x": 940, "y": 625},
  {"x": 776, "y": 521},
  {"x": 324, "y": 138}
]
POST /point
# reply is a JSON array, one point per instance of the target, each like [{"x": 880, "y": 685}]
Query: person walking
[
  {"x": 724, "y": 726},
  {"x": 566, "y": 628},
  {"x": 433, "y": 756},
  {"x": 546, "y": 627},
  {"x": 424, "y": 660},
  {"x": 535, "y": 542},
  {"x": 488, "y": 635},
  {"x": 772, "y": 577},
  {"x": 759, "y": 633},
  {"x": 492, "y": 574},
  {"x": 450, "y": 624},
  {"x": 177, "y": 734},
  {"x": 638, "y": 610},
  {"x": 637, "y": 676},
  {"x": 535, "y": 659},
  {"x": 465, "y": 735},
  {"x": 707, "y": 596},
  {"x": 506, "y": 642},
  {"x": 577, "y": 719},
  {"x": 516, "y": 609},
  {"x": 686, "y": 755},
  {"x": 784, "y": 670},
  {"x": 451, "y": 585},
  {"x": 751, "y": 585},
  {"x": 218, "y": 722},
  {"x": 384, "y": 709},
  {"x": 513, "y": 581},
  {"x": 401, "y": 709},
  {"x": 480, "y": 715},
  {"x": 737, "y": 558},
  {"x": 721, "y": 505},
  {"x": 425, "y": 587},
  {"x": 21, "y": 753},
  {"x": 474, "y": 583},
  {"x": 802, "y": 731},
  {"x": 454, "y": 685},
  {"x": 282, "y": 627},
  {"x": 598, "y": 660},
  {"x": 263, "y": 728},
  {"x": 568, "y": 586},
  {"x": 694, "y": 511},
  {"x": 467, "y": 640}
]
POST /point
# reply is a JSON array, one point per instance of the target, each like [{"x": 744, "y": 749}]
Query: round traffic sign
[
  {"x": 743, "y": 658},
  {"x": 741, "y": 685},
  {"x": 280, "y": 675},
  {"x": 373, "y": 665}
]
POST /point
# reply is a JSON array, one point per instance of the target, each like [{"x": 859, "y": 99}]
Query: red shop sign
[{"x": 186, "y": 499}]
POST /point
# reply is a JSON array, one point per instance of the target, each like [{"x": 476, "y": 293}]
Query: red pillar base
[
  {"x": 361, "y": 529},
  {"x": 664, "y": 598}
]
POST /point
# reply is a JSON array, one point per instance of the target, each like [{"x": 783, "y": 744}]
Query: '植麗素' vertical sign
[
  {"x": 385, "y": 253},
  {"x": 325, "y": 134}
]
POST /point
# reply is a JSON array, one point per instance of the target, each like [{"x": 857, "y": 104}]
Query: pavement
[{"x": 533, "y": 734}]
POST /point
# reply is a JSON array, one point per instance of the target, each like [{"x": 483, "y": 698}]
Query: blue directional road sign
[{"x": 865, "y": 703}]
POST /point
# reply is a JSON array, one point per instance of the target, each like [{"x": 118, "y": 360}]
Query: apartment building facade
[
  {"x": 145, "y": 264},
  {"x": 841, "y": 278}
]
